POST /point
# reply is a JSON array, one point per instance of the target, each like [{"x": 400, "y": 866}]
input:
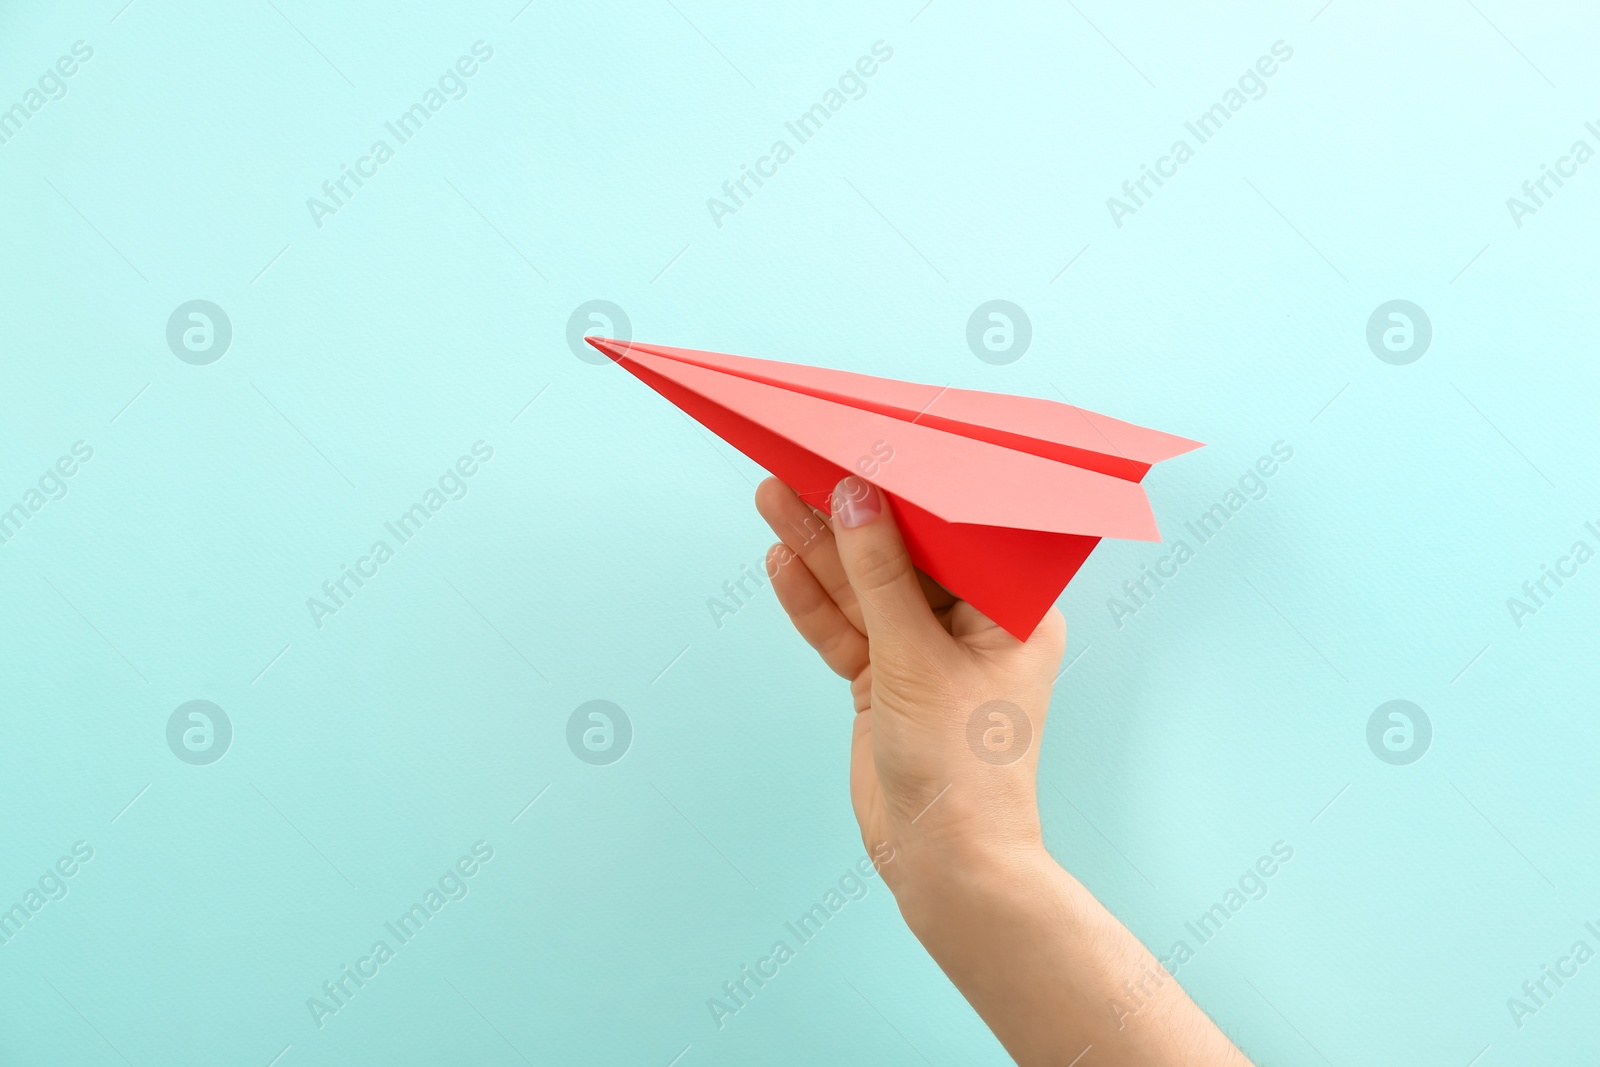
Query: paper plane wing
[{"x": 1000, "y": 498}]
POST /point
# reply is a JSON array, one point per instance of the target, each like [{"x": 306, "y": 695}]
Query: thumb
[{"x": 879, "y": 568}]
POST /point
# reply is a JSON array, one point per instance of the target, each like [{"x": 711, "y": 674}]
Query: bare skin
[{"x": 949, "y": 712}]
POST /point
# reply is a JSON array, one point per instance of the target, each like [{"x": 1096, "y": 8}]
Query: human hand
[
  {"x": 949, "y": 707},
  {"x": 950, "y": 710}
]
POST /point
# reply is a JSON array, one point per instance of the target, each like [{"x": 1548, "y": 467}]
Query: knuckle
[
  {"x": 836, "y": 651},
  {"x": 1051, "y": 633},
  {"x": 812, "y": 532},
  {"x": 879, "y": 568},
  {"x": 779, "y": 556}
]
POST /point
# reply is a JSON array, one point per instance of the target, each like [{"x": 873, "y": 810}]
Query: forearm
[{"x": 1050, "y": 970}]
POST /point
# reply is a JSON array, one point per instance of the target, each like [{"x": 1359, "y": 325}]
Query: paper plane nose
[{"x": 613, "y": 349}]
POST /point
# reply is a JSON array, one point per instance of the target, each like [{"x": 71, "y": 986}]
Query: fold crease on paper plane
[{"x": 1000, "y": 498}]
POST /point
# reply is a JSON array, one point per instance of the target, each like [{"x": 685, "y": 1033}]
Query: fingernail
[{"x": 855, "y": 503}]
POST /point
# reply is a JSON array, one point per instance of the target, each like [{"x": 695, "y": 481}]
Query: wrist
[{"x": 946, "y": 892}]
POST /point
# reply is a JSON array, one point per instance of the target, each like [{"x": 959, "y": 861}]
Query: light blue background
[{"x": 369, "y": 353}]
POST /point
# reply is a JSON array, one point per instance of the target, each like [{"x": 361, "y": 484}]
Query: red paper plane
[{"x": 1000, "y": 498}]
